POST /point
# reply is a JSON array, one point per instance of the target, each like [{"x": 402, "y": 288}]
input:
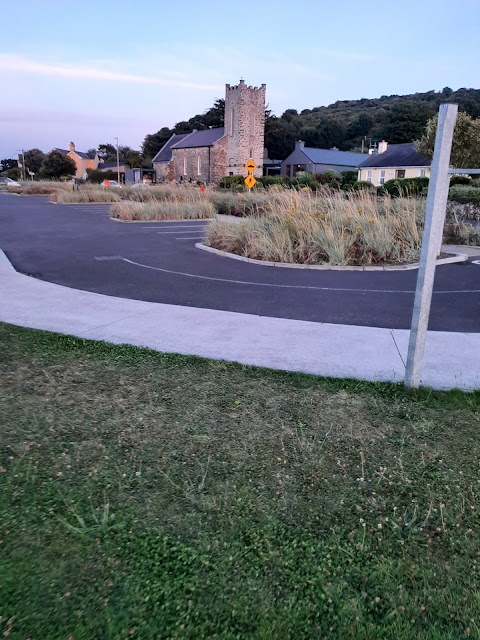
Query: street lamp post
[{"x": 118, "y": 164}]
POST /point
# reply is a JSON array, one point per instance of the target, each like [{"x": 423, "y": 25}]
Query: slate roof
[
  {"x": 165, "y": 153},
  {"x": 82, "y": 154},
  {"x": 332, "y": 156},
  {"x": 204, "y": 138},
  {"x": 397, "y": 155},
  {"x": 85, "y": 156},
  {"x": 104, "y": 166}
]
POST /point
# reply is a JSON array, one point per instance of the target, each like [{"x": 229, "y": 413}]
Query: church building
[{"x": 211, "y": 154}]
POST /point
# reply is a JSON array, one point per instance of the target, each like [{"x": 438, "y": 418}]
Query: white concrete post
[{"x": 431, "y": 242}]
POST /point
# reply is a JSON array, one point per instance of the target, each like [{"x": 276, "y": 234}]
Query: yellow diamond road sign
[
  {"x": 250, "y": 181},
  {"x": 250, "y": 166}
]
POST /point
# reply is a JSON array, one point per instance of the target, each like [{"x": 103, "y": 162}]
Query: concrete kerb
[
  {"x": 5, "y": 263},
  {"x": 341, "y": 351},
  {"x": 160, "y": 221},
  {"x": 459, "y": 257}
]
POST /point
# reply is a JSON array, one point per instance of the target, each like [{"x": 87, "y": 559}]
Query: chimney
[
  {"x": 382, "y": 146},
  {"x": 242, "y": 81},
  {"x": 300, "y": 144},
  {"x": 71, "y": 146}
]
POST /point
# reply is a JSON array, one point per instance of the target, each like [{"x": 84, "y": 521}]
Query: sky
[{"x": 89, "y": 71}]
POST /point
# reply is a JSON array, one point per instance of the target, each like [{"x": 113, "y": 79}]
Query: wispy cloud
[
  {"x": 20, "y": 64},
  {"x": 46, "y": 116}
]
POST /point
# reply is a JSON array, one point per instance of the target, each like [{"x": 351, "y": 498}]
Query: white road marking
[
  {"x": 197, "y": 238},
  {"x": 108, "y": 258},
  {"x": 177, "y": 226},
  {"x": 186, "y": 231},
  {"x": 281, "y": 286}
]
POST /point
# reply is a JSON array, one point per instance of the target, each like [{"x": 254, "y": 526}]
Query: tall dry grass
[
  {"x": 192, "y": 209},
  {"x": 85, "y": 194},
  {"x": 327, "y": 228}
]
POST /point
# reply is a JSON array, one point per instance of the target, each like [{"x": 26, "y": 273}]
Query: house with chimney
[
  {"x": 83, "y": 160},
  {"x": 210, "y": 154},
  {"x": 393, "y": 161},
  {"x": 315, "y": 160}
]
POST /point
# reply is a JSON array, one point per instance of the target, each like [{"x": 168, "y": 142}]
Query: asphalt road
[{"x": 79, "y": 246}]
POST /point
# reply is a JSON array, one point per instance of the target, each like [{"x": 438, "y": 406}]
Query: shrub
[
  {"x": 464, "y": 194},
  {"x": 406, "y": 186},
  {"x": 270, "y": 181},
  {"x": 362, "y": 185},
  {"x": 349, "y": 178},
  {"x": 460, "y": 180},
  {"x": 100, "y": 176},
  {"x": 231, "y": 182}
]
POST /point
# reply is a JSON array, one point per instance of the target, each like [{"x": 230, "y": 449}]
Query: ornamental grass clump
[
  {"x": 85, "y": 194},
  {"x": 327, "y": 227},
  {"x": 190, "y": 209},
  {"x": 242, "y": 204}
]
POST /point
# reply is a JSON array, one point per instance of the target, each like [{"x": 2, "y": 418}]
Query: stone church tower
[{"x": 244, "y": 127}]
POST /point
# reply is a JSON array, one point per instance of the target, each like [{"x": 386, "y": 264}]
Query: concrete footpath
[{"x": 366, "y": 353}]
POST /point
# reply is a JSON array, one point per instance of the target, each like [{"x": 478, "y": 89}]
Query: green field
[{"x": 153, "y": 496}]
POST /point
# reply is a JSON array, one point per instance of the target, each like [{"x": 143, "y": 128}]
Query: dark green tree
[
  {"x": 56, "y": 166},
  {"x": 107, "y": 151},
  {"x": 406, "y": 121},
  {"x": 280, "y": 137},
  {"x": 466, "y": 141},
  {"x": 33, "y": 160},
  {"x": 8, "y": 163},
  {"x": 154, "y": 142}
]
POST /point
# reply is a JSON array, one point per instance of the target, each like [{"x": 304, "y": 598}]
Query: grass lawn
[{"x": 154, "y": 496}]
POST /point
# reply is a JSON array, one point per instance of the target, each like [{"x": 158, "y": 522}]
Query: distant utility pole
[
  {"x": 431, "y": 241},
  {"x": 118, "y": 164},
  {"x": 22, "y": 164}
]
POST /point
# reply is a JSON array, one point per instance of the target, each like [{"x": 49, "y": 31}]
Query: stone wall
[
  {"x": 219, "y": 160},
  {"x": 161, "y": 170},
  {"x": 244, "y": 127},
  {"x": 192, "y": 164}
]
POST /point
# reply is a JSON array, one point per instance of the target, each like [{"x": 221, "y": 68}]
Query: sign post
[
  {"x": 250, "y": 181},
  {"x": 431, "y": 242}
]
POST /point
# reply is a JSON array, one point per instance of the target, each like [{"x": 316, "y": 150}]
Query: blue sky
[{"x": 89, "y": 71}]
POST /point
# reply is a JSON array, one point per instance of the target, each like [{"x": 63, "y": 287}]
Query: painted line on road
[
  {"x": 281, "y": 286},
  {"x": 177, "y": 226},
  {"x": 196, "y": 238},
  {"x": 187, "y": 231}
]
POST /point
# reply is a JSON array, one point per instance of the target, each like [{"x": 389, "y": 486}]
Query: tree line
[{"x": 348, "y": 125}]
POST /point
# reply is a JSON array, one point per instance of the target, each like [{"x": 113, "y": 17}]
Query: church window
[
  {"x": 185, "y": 165},
  {"x": 199, "y": 166}
]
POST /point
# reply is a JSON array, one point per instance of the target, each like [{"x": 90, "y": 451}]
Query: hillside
[{"x": 342, "y": 124}]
